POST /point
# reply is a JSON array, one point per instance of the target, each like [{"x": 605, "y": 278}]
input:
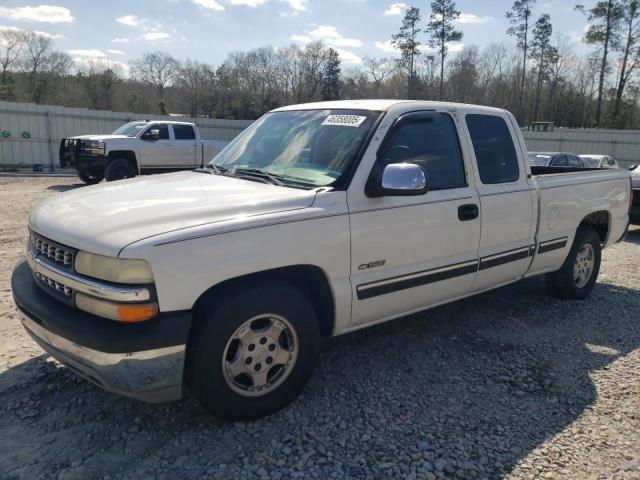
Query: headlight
[
  {"x": 111, "y": 269},
  {"x": 94, "y": 147}
]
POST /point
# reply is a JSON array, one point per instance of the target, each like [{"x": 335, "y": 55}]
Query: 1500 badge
[{"x": 377, "y": 263}]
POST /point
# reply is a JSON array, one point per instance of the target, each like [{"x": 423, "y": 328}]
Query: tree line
[{"x": 537, "y": 75}]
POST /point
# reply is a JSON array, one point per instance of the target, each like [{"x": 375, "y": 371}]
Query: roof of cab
[{"x": 385, "y": 105}]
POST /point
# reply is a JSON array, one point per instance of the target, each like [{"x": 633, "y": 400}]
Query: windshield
[
  {"x": 130, "y": 129},
  {"x": 539, "y": 159},
  {"x": 305, "y": 148}
]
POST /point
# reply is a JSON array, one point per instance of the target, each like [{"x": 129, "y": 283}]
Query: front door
[
  {"x": 157, "y": 154},
  {"x": 412, "y": 252}
]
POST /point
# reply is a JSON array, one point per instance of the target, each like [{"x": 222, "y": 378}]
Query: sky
[{"x": 208, "y": 30}]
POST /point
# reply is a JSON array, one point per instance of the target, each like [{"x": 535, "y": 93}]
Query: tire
[
  {"x": 90, "y": 177},
  {"x": 215, "y": 349},
  {"x": 119, "y": 169},
  {"x": 585, "y": 255}
]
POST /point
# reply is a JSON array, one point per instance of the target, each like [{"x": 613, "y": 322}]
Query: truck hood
[
  {"x": 105, "y": 218},
  {"x": 100, "y": 137}
]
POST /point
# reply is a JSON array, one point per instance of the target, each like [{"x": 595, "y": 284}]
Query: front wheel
[
  {"x": 90, "y": 177},
  {"x": 576, "y": 278},
  {"x": 252, "y": 354},
  {"x": 119, "y": 169}
]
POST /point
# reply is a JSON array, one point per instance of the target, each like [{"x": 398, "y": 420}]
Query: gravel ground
[{"x": 508, "y": 384}]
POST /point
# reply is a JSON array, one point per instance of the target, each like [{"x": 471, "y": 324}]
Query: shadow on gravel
[
  {"x": 466, "y": 389},
  {"x": 65, "y": 188},
  {"x": 633, "y": 235}
]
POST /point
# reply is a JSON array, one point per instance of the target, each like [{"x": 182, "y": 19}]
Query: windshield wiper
[
  {"x": 256, "y": 172},
  {"x": 211, "y": 168}
]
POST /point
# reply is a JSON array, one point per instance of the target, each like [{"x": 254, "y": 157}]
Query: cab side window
[
  {"x": 183, "y": 132},
  {"x": 432, "y": 143},
  {"x": 559, "y": 161},
  {"x": 574, "y": 161},
  {"x": 495, "y": 152}
]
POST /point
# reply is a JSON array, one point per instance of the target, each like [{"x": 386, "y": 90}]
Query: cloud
[
  {"x": 121, "y": 40},
  {"x": 115, "y": 52},
  {"x": 37, "y": 32},
  {"x": 297, "y": 5},
  {"x": 100, "y": 64},
  {"x": 130, "y": 20},
  {"x": 153, "y": 36},
  {"x": 209, "y": 4},
  {"x": 455, "y": 47},
  {"x": 347, "y": 56},
  {"x": 386, "y": 47},
  {"x": 88, "y": 52},
  {"x": 396, "y": 9},
  {"x": 328, "y": 34},
  {"x": 301, "y": 38},
  {"x": 471, "y": 18},
  {"x": 41, "y": 13},
  {"x": 248, "y": 3}
]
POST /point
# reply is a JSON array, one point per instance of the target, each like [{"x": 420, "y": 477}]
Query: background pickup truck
[
  {"x": 138, "y": 148},
  {"x": 317, "y": 220}
]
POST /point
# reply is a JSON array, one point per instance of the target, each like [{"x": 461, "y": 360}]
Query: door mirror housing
[
  {"x": 153, "y": 134},
  {"x": 632, "y": 167},
  {"x": 400, "y": 179}
]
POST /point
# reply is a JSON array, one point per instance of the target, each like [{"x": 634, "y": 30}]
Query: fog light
[{"x": 122, "y": 312}]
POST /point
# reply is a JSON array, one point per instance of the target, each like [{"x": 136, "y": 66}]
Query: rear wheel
[
  {"x": 90, "y": 177},
  {"x": 119, "y": 169},
  {"x": 252, "y": 354},
  {"x": 576, "y": 278}
]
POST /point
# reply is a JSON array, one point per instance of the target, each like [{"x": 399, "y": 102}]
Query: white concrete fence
[{"x": 30, "y": 134}]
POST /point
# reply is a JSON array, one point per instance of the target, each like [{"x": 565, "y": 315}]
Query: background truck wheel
[
  {"x": 575, "y": 280},
  {"x": 89, "y": 177},
  {"x": 252, "y": 353},
  {"x": 119, "y": 169}
]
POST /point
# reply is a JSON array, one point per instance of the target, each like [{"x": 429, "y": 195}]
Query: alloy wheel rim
[
  {"x": 583, "y": 265},
  {"x": 260, "y": 355}
]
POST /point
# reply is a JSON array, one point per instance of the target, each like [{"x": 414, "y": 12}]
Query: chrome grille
[
  {"x": 59, "y": 287},
  {"x": 60, "y": 254}
]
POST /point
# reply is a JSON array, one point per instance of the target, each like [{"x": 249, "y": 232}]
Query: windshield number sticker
[{"x": 344, "y": 120}]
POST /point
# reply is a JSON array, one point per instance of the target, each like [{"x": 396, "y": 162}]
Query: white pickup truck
[
  {"x": 138, "y": 148},
  {"x": 318, "y": 220}
]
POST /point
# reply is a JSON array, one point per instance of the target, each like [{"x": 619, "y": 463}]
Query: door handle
[{"x": 468, "y": 212}]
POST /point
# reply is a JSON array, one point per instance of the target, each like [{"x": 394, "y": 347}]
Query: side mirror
[
  {"x": 400, "y": 179},
  {"x": 633, "y": 167},
  {"x": 153, "y": 134}
]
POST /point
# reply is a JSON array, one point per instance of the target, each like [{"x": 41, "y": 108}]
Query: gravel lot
[{"x": 509, "y": 384}]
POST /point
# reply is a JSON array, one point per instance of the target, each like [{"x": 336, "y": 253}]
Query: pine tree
[
  {"x": 543, "y": 53},
  {"x": 442, "y": 29},
  {"x": 406, "y": 41},
  {"x": 520, "y": 18},
  {"x": 604, "y": 20},
  {"x": 331, "y": 77}
]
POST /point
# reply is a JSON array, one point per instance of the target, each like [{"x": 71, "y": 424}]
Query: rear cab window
[{"x": 495, "y": 152}]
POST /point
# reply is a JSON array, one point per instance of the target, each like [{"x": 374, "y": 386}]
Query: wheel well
[
  {"x": 599, "y": 221},
  {"x": 129, "y": 155},
  {"x": 309, "y": 279}
]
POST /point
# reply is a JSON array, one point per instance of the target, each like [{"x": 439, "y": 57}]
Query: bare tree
[
  {"x": 12, "y": 42},
  {"x": 379, "y": 70},
  {"x": 157, "y": 69},
  {"x": 37, "y": 49}
]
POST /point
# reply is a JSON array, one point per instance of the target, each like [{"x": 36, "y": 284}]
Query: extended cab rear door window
[
  {"x": 430, "y": 141},
  {"x": 493, "y": 145}
]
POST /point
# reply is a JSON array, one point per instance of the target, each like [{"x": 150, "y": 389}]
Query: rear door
[
  {"x": 184, "y": 146},
  {"x": 506, "y": 201}
]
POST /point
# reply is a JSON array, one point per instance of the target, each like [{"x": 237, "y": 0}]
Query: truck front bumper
[{"x": 143, "y": 361}]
